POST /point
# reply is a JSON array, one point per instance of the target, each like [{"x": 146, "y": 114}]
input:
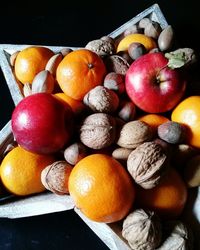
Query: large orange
[
  {"x": 168, "y": 198},
  {"x": 79, "y": 72},
  {"x": 31, "y": 61},
  {"x": 188, "y": 113},
  {"x": 101, "y": 188},
  {"x": 154, "y": 120},
  {"x": 20, "y": 171}
]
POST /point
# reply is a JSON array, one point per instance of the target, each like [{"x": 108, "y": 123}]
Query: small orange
[
  {"x": 148, "y": 42},
  {"x": 76, "y": 106},
  {"x": 79, "y": 72},
  {"x": 188, "y": 112},
  {"x": 31, "y": 61},
  {"x": 154, "y": 120},
  {"x": 168, "y": 198},
  {"x": 20, "y": 171},
  {"x": 101, "y": 188}
]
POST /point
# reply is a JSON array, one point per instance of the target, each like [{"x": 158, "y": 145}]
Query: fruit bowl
[{"x": 47, "y": 202}]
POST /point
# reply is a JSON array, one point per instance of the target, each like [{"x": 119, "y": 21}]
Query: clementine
[
  {"x": 79, "y": 72},
  {"x": 168, "y": 198},
  {"x": 188, "y": 113},
  {"x": 31, "y": 61},
  {"x": 148, "y": 42},
  {"x": 20, "y": 171},
  {"x": 76, "y": 106},
  {"x": 154, "y": 120},
  {"x": 101, "y": 188}
]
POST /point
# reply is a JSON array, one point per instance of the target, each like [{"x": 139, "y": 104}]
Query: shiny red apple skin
[
  {"x": 152, "y": 86},
  {"x": 41, "y": 123}
]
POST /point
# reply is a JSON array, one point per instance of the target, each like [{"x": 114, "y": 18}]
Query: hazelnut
[
  {"x": 55, "y": 177},
  {"x": 115, "y": 82},
  {"x": 98, "y": 131},
  {"x": 147, "y": 164},
  {"x": 135, "y": 50},
  {"x": 127, "y": 111},
  {"x": 101, "y": 99},
  {"x": 142, "y": 229},
  {"x": 171, "y": 132},
  {"x": 74, "y": 153},
  {"x": 134, "y": 133}
]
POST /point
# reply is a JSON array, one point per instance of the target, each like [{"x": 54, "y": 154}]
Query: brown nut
[
  {"x": 166, "y": 38},
  {"x": 75, "y": 152},
  {"x": 55, "y": 177},
  {"x": 135, "y": 50},
  {"x": 65, "y": 51},
  {"x": 121, "y": 153},
  {"x": 101, "y": 47},
  {"x": 98, "y": 131},
  {"x": 43, "y": 82},
  {"x": 153, "y": 29},
  {"x": 116, "y": 63},
  {"x": 101, "y": 99},
  {"x": 147, "y": 164},
  {"x": 142, "y": 229},
  {"x": 127, "y": 111},
  {"x": 144, "y": 22},
  {"x": 176, "y": 235},
  {"x": 133, "y": 29},
  {"x": 134, "y": 133},
  {"x": 115, "y": 82},
  {"x": 53, "y": 62}
]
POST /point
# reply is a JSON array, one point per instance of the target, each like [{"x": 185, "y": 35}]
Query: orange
[
  {"x": 76, "y": 106},
  {"x": 31, "y": 61},
  {"x": 20, "y": 171},
  {"x": 101, "y": 188},
  {"x": 79, "y": 72},
  {"x": 188, "y": 112},
  {"x": 148, "y": 42},
  {"x": 168, "y": 198},
  {"x": 154, "y": 120}
]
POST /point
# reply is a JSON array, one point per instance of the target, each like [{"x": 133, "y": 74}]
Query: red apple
[
  {"x": 152, "y": 85},
  {"x": 41, "y": 123}
]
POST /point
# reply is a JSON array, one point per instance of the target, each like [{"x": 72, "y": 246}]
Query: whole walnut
[
  {"x": 101, "y": 99},
  {"x": 142, "y": 229},
  {"x": 176, "y": 236},
  {"x": 98, "y": 131},
  {"x": 147, "y": 164}
]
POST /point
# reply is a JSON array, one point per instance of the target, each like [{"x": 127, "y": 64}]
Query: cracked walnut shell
[{"x": 147, "y": 164}]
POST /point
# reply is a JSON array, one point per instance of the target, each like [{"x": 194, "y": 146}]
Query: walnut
[
  {"x": 117, "y": 64},
  {"x": 55, "y": 177},
  {"x": 98, "y": 131},
  {"x": 101, "y": 99},
  {"x": 147, "y": 164},
  {"x": 142, "y": 230},
  {"x": 101, "y": 47},
  {"x": 177, "y": 236},
  {"x": 134, "y": 133}
]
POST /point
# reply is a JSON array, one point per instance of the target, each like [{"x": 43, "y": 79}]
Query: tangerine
[
  {"x": 30, "y": 61},
  {"x": 168, "y": 198},
  {"x": 101, "y": 188},
  {"x": 20, "y": 171},
  {"x": 188, "y": 113},
  {"x": 79, "y": 72}
]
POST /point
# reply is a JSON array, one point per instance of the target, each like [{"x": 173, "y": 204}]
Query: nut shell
[
  {"x": 98, "y": 131},
  {"x": 147, "y": 164},
  {"x": 134, "y": 133},
  {"x": 142, "y": 229},
  {"x": 55, "y": 177},
  {"x": 117, "y": 64},
  {"x": 74, "y": 153},
  {"x": 101, "y": 47}
]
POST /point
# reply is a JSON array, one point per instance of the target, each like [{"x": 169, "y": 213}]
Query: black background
[{"x": 72, "y": 23}]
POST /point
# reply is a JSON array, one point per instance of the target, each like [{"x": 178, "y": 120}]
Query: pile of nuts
[{"x": 111, "y": 125}]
